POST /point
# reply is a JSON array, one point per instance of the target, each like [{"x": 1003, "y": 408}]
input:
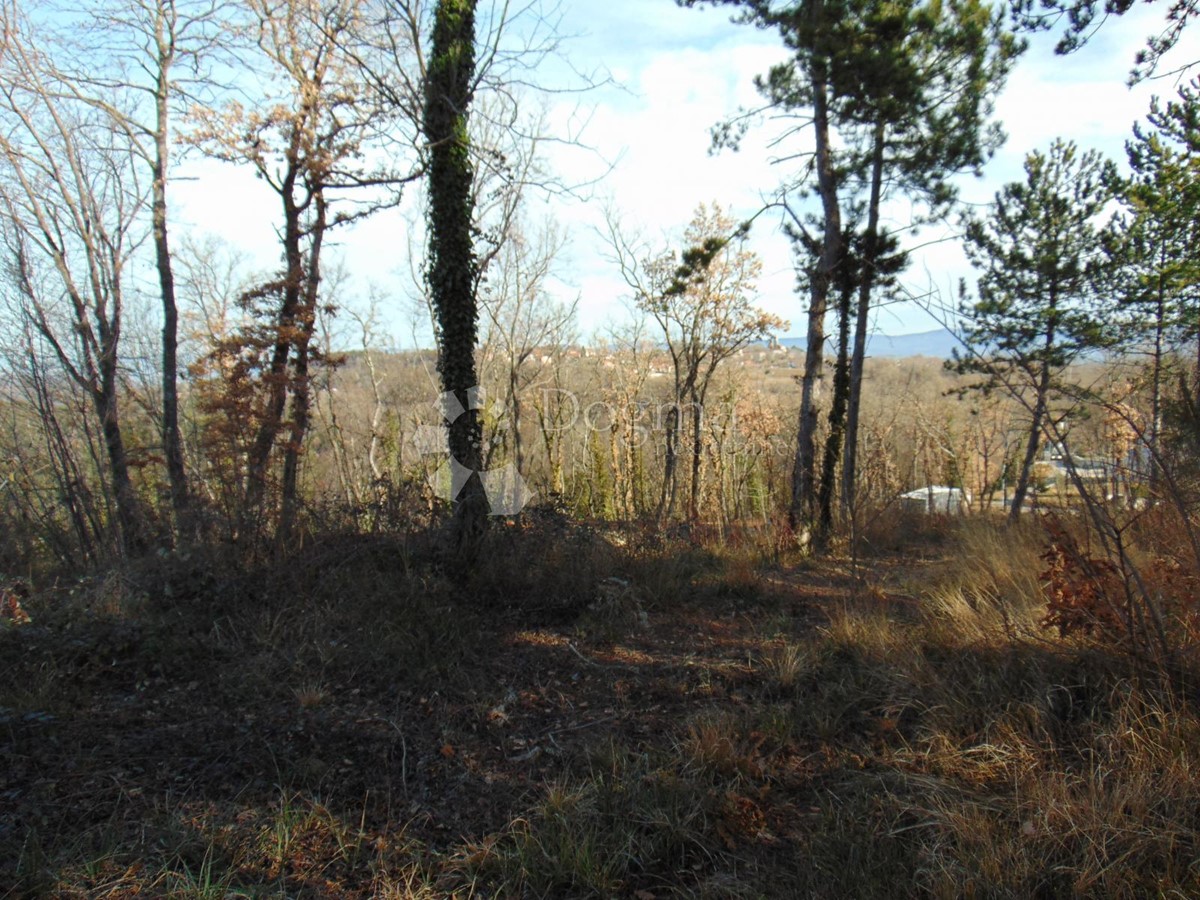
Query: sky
[{"x": 674, "y": 74}]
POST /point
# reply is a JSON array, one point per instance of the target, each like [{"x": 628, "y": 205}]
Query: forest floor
[{"x": 626, "y": 721}]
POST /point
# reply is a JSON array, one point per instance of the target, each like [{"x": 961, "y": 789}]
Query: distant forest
[{"x": 157, "y": 392}]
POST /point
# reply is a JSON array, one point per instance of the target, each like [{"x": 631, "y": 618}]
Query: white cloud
[
  {"x": 228, "y": 201},
  {"x": 680, "y": 72},
  {"x": 657, "y": 125}
]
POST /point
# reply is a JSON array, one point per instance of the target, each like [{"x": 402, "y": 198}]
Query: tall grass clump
[
  {"x": 605, "y": 833},
  {"x": 1072, "y": 774},
  {"x": 991, "y": 588}
]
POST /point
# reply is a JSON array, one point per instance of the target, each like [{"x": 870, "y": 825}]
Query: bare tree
[
  {"x": 211, "y": 276},
  {"x": 525, "y": 325},
  {"x": 356, "y": 475},
  {"x": 311, "y": 144},
  {"x": 73, "y": 207},
  {"x": 628, "y": 370},
  {"x": 46, "y": 473},
  {"x": 702, "y": 303},
  {"x": 152, "y": 56}
]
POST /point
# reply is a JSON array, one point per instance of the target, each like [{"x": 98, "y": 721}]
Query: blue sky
[{"x": 675, "y": 73}]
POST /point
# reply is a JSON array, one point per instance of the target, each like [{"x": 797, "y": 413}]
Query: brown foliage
[
  {"x": 10, "y": 604},
  {"x": 233, "y": 388},
  {"x": 1094, "y": 596},
  {"x": 1084, "y": 594}
]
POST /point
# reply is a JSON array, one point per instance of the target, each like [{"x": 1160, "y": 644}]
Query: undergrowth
[{"x": 589, "y": 717}]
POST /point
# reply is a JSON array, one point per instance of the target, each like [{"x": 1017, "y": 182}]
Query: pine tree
[
  {"x": 1161, "y": 220},
  {"x": 918, "y": 98},
  {"x": 1156, "y": 235},
  {"x": 1040, "y": 254},
  {"x": 898, "y": 95},
  {"x": 1081, "y": 24}
]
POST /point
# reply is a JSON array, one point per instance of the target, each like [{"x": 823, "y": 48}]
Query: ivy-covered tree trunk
[
  {"x": 513, "y": 405},
  {"x": 452, "y": 265},
  {"x": 837, "y": 412}
]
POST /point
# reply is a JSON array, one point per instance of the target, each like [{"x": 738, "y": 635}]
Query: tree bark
[
  {"x": 104, "y": 396},
  {"x": 1040, "y": 404},
  {"x": 1026, "y": 474},
  {"x": 1153, "y": 476},
  {"x": 171, "y": 439},
  {"x": 514, "y": 413},
  {"x": 453, "y": 267},
  {"x": 276, "y": 377},
  {"x": 837, "y": 419},
  {"x": 129, "y": 518},
  {"x": 804, "y": 471},
  {"x": 306, "y": 320},
  {"x": 866, "y": 282},
  {"x": 666, "y": 500},
  {"x": 697, "y": 457}
]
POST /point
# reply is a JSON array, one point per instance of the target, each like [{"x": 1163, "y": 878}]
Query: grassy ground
[{"x": 632, "y": 719}]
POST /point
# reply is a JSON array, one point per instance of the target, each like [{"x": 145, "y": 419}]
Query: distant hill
[{"x": 937, "y": 344}]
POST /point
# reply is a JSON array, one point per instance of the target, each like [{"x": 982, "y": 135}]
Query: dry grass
[
  {"x": 692, "y": 722},
  {"x": 963, "y": 750},
  {"x": 786, "y": 666},
  {"x": 1066, "y": 779},
  {"x": 717, "y": 746},
  {"x": 625, "y": 821},
  {"x": 991, "y": 590}
]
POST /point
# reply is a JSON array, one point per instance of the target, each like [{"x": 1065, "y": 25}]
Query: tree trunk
[
  {"x": 630, "y": 445},
  {"x": 866, "y": 282},
  {"x": 376, "y": 416},
  {"x": 821, "y": 275},
  {"x": 452, "y": 268},
  {"x": 837, "y": 418},
  {"x": 1040, "y": 406},
  {"x": 1025, "y": 476},
  {"x": 71, "y": 492},
  {"x": 129, "y": 518},
  {"x": 514, "y": 416},
  {"x": 171, "y": 439},
  {"x": 550, "y": 442},
  {"x": 1153, "y": 475},
  {"x": 697, "y": 452},
  {"x": 276, "y": 377},
  {"x": 666, "y": 500},
  {"x": 306, "y": 321}
]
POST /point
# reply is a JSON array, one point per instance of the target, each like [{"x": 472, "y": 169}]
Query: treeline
[
  {"x": 334, "y": 106},
  {"x": 156, "y": 391}
]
